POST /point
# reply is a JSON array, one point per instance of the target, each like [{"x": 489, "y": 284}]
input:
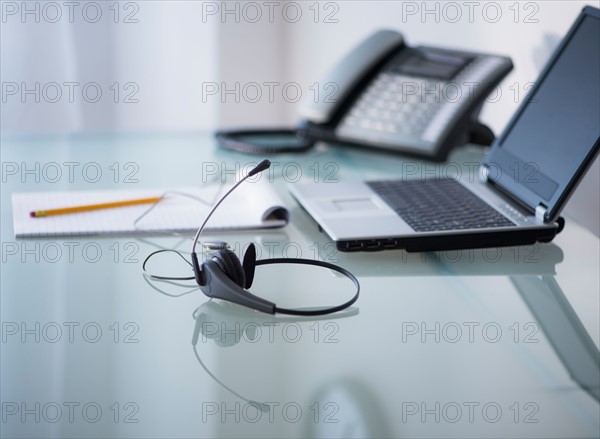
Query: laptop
[{"x": 526, "y": 179}]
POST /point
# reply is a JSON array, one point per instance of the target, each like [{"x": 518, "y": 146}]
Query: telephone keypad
[
  {"x": 384, "y": 106},
  {"x": 398, "y": 108}
]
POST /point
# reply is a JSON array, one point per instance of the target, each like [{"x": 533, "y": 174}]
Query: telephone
[{"x": 419, "y": 101}]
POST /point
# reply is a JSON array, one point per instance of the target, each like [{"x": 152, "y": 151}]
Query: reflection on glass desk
[{"x": 478, "y": 343}]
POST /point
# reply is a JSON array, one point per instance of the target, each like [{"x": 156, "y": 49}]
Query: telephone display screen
[{"x": 433, "y": 64}]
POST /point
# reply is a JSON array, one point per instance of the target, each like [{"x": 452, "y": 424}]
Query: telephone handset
[{"x": 421, "y": 101}]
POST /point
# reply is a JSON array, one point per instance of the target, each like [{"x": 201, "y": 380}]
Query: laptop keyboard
[{"x": 437, "y": 204}]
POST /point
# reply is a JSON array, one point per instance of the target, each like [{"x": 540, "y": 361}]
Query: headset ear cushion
[
  {"x": 249, "y": 265},
  {"x": 231, "y": 266}
]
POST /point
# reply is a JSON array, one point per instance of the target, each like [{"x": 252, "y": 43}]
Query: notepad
[{"x": 253, "y": 205}]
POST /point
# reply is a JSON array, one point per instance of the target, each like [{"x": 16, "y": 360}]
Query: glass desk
[{"x": 479, "y": 343}]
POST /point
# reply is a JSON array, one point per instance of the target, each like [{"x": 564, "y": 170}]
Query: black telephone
[{"x": 420, "y": 101}]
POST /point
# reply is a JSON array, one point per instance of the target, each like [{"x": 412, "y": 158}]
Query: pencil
[{"x": 88, "y": 207}]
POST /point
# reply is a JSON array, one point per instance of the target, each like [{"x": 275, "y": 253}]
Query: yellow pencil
[{"x": 75, "y": 209}]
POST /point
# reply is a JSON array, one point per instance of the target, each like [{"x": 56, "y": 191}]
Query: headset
[{"x": 224, "y": 277}]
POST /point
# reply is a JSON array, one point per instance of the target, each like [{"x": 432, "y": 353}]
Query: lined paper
[{"x": 251, "y": 206}]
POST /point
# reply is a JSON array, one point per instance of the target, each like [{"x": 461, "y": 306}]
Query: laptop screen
[{"x": 555, "y": 133}]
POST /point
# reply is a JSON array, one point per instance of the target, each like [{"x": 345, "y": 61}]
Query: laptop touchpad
[{"x": 361, "y": 204}]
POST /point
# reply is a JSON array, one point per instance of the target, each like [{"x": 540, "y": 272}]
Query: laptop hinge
[
  {"x": 484, "y": 173},
  {"x": 540, "y": 212}
]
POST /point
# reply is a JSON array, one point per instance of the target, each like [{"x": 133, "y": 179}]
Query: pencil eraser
[{"x": 32, "y": 214}]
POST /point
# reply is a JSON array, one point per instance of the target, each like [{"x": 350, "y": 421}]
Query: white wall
[{"x": 157, "y": 53}]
